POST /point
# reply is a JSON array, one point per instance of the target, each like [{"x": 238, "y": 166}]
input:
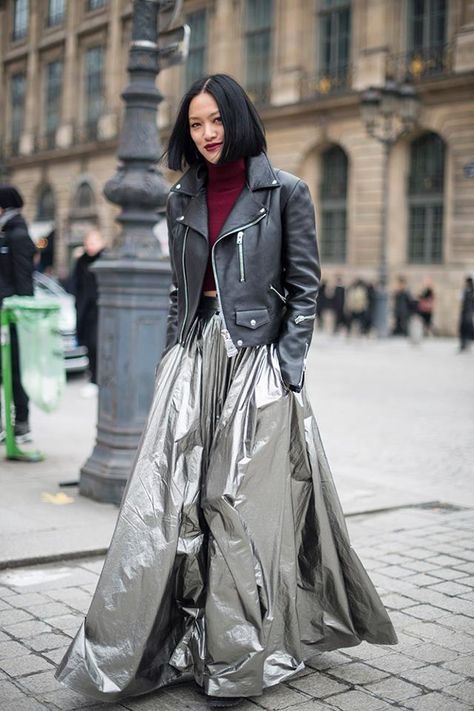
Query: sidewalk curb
[
  {"x": 97, "y": 552},
  {"x": 54, "y": 558}
]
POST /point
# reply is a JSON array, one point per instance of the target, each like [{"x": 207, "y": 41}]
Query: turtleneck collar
[{"x": 225, "y": 177}]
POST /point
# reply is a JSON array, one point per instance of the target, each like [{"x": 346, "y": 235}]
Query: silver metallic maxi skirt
[{"x": 230, "y": 563}]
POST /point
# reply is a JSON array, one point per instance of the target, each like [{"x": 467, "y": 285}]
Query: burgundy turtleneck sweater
[{"x": 224, "y": 185}]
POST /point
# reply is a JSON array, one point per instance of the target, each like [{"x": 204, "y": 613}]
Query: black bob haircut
[{"x": 244, "y": 134}]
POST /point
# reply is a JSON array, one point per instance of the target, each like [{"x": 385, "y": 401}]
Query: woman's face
[{"x": 205, "y": 126}]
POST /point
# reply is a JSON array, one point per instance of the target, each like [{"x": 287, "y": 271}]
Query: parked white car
[{"x": 75, "y": 356}]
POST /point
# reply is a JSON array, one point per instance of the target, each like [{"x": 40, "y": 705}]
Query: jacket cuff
[{"x": 292, "y": 358}]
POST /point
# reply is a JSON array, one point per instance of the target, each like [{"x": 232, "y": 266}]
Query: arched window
[
  {"x": 333, "y": 195},
  {"x": 425, "y": 199},
  {"x": 84, "y": 198},
  {"x": 45, "y": 205}
]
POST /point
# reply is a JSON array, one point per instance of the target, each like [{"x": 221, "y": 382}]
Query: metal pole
[{"x": 133, "y": 277}]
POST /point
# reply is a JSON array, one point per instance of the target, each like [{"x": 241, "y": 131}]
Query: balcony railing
[
  {"x": 420, "y": 64},
  {"x": 50, "y": 140},
  {"x": 91, "y": 129},
  {"x": 325, "y": 83},
  {"x": 260, "y": 93},
  {"x": 55, "y": 17},
  {"x": 13, "y": 148}
]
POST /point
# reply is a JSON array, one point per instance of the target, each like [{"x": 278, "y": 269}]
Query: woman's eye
[
  {"x": 194, "y": 125},
  {"x": 218, "y": 119}
]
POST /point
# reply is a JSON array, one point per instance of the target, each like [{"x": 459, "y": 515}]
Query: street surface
[{"x": 397, "y": 421}]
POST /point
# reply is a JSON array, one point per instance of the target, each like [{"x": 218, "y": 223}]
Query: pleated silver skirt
[{"x": 230, "y": 563}]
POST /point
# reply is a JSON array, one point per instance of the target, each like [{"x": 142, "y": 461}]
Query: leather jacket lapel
[{"x": 195, "y": 214}]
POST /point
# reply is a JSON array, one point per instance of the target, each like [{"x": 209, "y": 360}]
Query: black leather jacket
[
  {"x": 265, "y": 263},
  {"x": 16, "y": 259}
]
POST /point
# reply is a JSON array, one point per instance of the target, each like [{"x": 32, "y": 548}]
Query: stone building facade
[{"x": 305, "y": 63}]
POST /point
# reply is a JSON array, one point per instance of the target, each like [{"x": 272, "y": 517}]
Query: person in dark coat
[
  {"x": 322, "y": 304},
  {"x": 425, "y": 306},
  {"x": 370, "y": 313},
  {"x": 84, "y": 288},
  {"x": 339, "y": 301},
  {"x": 466, "y": 320},
  {"x": 357, "y": 304},
  {"x": 403, "y": 308},
  {"x": 16, "y": 279}
]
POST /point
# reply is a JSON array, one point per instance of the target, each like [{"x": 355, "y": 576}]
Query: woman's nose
[{"x": 209, "y": 131}]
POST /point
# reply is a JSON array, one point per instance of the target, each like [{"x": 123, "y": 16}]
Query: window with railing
[
  {"x": 333, "y": 198},
  {"x": 258, "y": 40},
  {"x": 334, "y": 19},
  {"x": 427, "y": 51},
  {"x": 45, "y": 208},
  {"x": 95, "y": 4},
  {"x": 426, "y": 200},
  {"x": 54, "y": 81},
  {"x": 17, "y": 99},
  {"x": 94, "y": 79},
  {"x": 20, "y": 19},
  {"x": 196, "y": 61},
  {"x": 56, "y": 9}
]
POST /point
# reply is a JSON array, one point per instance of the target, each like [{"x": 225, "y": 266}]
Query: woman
[
  {"x": 230, "y": 563},
  {"x": 425, "y": 306},
  {"x": 466, "y": 318}
]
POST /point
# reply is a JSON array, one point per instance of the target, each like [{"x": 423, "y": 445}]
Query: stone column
[
  {"x": 71, "y": 76},
  {"x": 464, "y": 42},
  {"x": 287, "y": 55},
  {"x": 371, "y": 20},
  {"x": 34, "y": 85},
  {"x": 108, "y": 123}
]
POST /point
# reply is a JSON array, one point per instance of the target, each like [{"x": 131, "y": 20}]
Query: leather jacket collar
[
  {"x": 260, "y": 175},
  {"x": 249, "y": 206}
]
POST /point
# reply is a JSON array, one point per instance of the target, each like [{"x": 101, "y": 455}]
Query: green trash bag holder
[{"x": 7, "y": 317}]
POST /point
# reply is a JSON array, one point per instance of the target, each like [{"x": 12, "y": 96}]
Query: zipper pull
[
  {"x": 240, "y": 237},
  {"x": 229, "y": 344},
  {"x": 300, "y": 318}
]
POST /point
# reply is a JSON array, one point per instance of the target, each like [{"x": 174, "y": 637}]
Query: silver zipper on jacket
[
  {"x": 226, "y": 234},
  {"x": 300, "y": 318},
  {"x": 186, "y": 301},
  {"x": 240, "y": 246},
  {"x": 280, "y": 296}
]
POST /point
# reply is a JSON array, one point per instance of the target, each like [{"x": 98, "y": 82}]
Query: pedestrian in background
[
  {"x": 230, "y": 562},
  {"x": 357, "y": 305},
  {"x": 466, "y": 317},
  {"x": 403, "y": 307},
  {"x": 370, "y": 313},
  {"x": 425, "y": 306},
  {"x": 83, "y": 285},
  {"x": 17, "y": 253},
  {"x": 339, "y": 304},
  {"x": 322, "y": 304}
]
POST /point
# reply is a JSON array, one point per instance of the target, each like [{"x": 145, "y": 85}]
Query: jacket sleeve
[
  {"x": 22, "y": 252},
  {"x": 172, "y": 325},
  {"x": 301, "y": 278}
]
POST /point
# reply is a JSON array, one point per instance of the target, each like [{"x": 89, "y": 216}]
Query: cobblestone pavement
[{"x": 421, "y": 560}]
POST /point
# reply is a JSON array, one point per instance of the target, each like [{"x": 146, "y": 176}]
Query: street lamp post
[
  {"x": 133, "y": 276},
  {"x": 388, "y": 113}
]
